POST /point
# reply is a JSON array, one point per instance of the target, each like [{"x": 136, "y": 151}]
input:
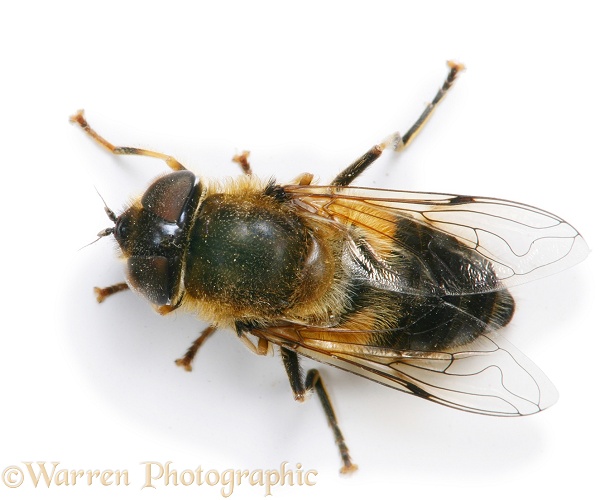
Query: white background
[{"x": 305, "y": 87}]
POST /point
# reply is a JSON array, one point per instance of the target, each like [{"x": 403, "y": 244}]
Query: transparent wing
[
  {"x": 488, "y": 376},
  {"x": 521, "y": 242}
]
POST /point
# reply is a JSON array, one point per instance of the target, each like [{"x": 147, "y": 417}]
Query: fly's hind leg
[
  {"x": 396, "y": 141},
  {"x": 360, "y": 165},
  {"x": 313, "y": 382},
  {"x": 80, "y": 120},
  {"x": 455, "y": 69}
]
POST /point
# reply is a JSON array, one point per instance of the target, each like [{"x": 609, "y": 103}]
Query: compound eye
[
  {"x": 121, "y": 229},
  {"x": 168, "y": 196},
  {"x": 149, "y": 276}
]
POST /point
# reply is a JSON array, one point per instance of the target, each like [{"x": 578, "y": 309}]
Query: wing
[
  {"x": 487, "y": 376},
  {"x": 519, "y": 242}
]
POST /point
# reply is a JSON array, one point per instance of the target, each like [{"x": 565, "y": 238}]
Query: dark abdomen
[{"x": 443, "y": 294}]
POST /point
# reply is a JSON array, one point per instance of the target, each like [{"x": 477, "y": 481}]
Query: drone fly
[{"x": 407, "y": 289}]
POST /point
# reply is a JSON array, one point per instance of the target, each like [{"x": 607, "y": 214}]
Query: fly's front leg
[
  {"x": 103, "y": 293},
  {"x": 80, "y": 120},
  {"x": 395, "y": 140},
  {"x": 313, "y": 382}
]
